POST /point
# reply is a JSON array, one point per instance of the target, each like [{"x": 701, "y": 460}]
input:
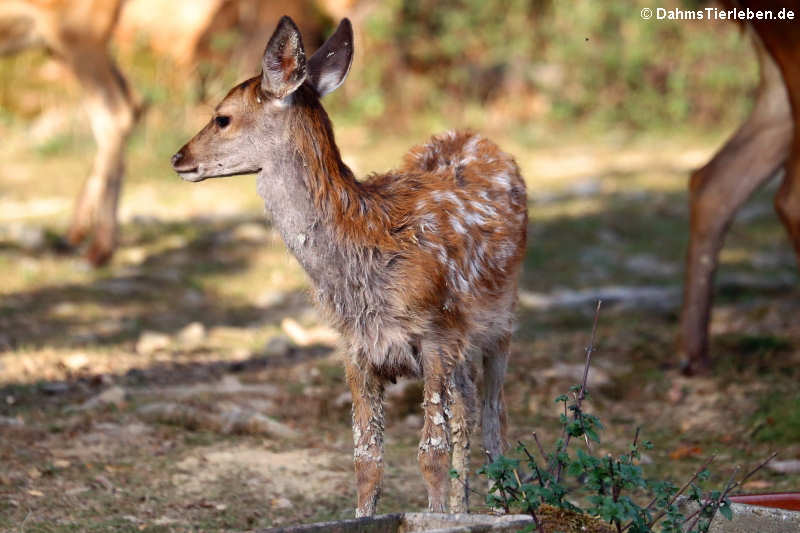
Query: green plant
[{"x": 613, "y": 487}]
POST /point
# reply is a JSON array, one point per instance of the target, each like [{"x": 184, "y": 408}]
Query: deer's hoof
[{"x": 99, "y": 255}]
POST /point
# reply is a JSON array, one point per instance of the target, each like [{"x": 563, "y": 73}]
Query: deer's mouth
[
  {"x": 191, "y": 174},
  {"x": 196, "y": 174}
]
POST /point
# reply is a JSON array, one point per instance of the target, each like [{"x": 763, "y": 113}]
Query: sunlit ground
[{"x": 201, "y": 326}]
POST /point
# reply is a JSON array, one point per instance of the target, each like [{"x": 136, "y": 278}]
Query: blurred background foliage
[
  {"x": 528, "y": 67},
  {"x": 562, "y": 62}
]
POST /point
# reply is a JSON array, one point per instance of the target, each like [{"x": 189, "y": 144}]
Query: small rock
[
  {"x": 230, "y": 384},
  {"x": 251, "y": 232},
  {"x": 75, "y": 361},
  {"x": 343, "y": 400},
  {"x": 587, "y": 187},
  {"x": 135, "y": 255},
  {"x": 398, "y": 390},
  {"x": 645, "y": 459},
  {"x": 278, "y": 346},
  {"x": 308, "y": 336},
  {"x": 192, "y": 336},
  {"x": 574, "y": 372},
  {"x": 112, "y": 396},
  {"x": 677, "y": 392},
  {"x": 790, "y": 466},
  {"x": 193, "y": 297},
  {"x": 28, "y": 238},
  {"x": 104, "y": 481},
  {"x": 55, "y": 387},
  {"x": 757, "y": 484},
  {"x": 282, "y": 503},
  {"x": 650, "y": 265},
  {"x": 151, "y": 342},
  {"x": 413, "y": 421},
  {"x": 270, "y": 298},
  {"x": 6, "y": 343},
  {"x": 65, "y": 309},
  {"x": 11, "y": 421}
]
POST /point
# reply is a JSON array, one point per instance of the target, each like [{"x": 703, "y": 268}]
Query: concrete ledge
[
  {"x": 746, "y": 519},
  {"x": 413, "y": 523},
  {"x": 753, "y": 519}
]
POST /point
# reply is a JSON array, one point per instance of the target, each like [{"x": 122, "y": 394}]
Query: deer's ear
[
  {"x": 329, "y": 65},
  {"x": 284, "y": 62}
]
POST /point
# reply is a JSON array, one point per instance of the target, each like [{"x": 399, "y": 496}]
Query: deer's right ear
[
  {"x": 284, "y": 62},
  {"x": 329, "y": 65}
]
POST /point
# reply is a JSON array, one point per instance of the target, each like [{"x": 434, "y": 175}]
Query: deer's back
[{"x": 459, "y": 208}]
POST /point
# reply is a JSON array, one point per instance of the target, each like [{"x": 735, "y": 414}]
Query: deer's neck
[{"x": 323, "y": 214}]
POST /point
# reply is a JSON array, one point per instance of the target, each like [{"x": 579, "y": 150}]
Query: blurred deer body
[
  {"x": 763, "y": 145},
  {"x": 77, "y": 32},
  {"x": 417, "y": 268}
]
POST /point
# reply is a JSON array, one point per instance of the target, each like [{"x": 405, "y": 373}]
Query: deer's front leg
[
  {"x": 367, "y": 392},
  {"x": 434, "y": 446}
]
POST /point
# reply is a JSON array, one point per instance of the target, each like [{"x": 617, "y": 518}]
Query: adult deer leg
[
  {"x": 112, "y": 113},
  {"x": 787, "y": 200},
  {"x": 367, "y": 393},
  {"x": 716, "y": 191}
]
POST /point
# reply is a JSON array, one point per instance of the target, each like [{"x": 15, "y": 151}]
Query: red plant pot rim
[{"x": 789, "y": 501}]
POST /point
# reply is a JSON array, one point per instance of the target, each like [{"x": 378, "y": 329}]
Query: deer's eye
[{"x": 222, "y": 121}]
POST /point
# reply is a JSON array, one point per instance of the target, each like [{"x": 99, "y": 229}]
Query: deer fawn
[{"x": 417, "y": 267}]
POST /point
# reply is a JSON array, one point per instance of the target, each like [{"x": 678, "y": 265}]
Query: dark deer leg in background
[
  {"x": 716, "y": 192},
  {"x": 112, "y": 114}
]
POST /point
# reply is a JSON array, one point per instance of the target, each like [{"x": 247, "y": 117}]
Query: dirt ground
[{"x": 191, "y": 385}]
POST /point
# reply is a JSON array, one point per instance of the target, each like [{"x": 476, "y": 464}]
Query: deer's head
[{"x": 253, "y": 120}]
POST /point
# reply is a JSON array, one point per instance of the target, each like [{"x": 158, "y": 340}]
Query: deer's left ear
[
  {"x": 329, "y": 65},
  {"x": 284, "y": 62}
]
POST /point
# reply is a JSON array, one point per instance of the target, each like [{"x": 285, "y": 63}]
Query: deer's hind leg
[
  {"x": 493, "y": 414},
  {"x": 462, "y": 421}
]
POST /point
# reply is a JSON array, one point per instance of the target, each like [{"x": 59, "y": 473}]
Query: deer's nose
[{"x": 177, "y": 158}]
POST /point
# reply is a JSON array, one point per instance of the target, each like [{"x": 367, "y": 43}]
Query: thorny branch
[
  {"x": 582, "y": 392},
  {"x": 716, "y": 503},
  {"x": 533, "y": 513}
]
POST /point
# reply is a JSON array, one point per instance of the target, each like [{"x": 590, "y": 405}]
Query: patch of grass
[
  {"x": 759, "y": 352},
  {"x": 777, "y": 419}
]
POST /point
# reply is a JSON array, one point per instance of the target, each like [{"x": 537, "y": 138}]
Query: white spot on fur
[
  {"x": 474, "y": 219},
  {"x": 503, "y": 180},
  {"x": 435, "y": 398},
  {"x": 457, "y": 225}
]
